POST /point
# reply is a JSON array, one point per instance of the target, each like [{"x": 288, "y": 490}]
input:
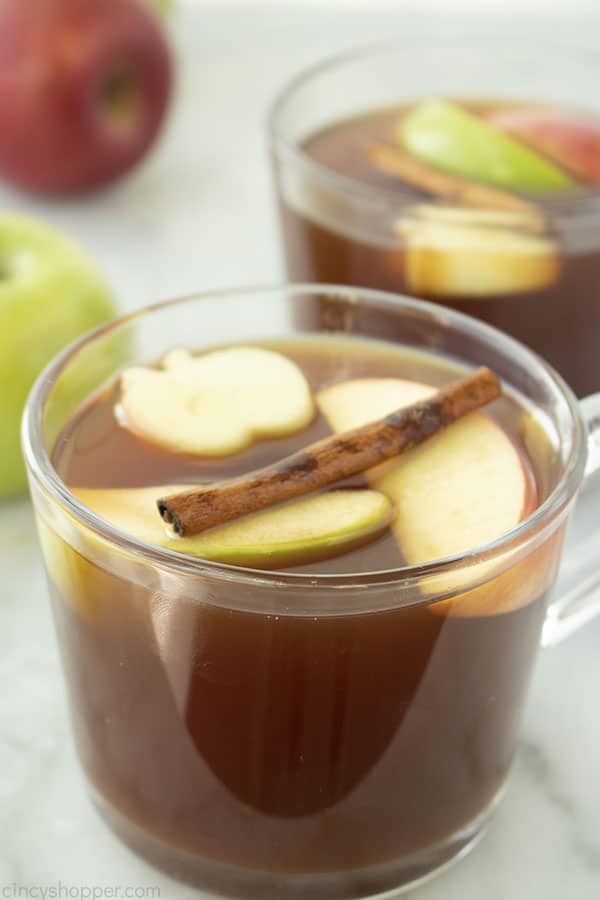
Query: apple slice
[
  {"x": 461, "y": 489},
  {"x": 216, "y": 404},
  {"x": 526, "y": 220},
  {"x": 571, "y": 140},
  {"x": 463, "y": 253},
  {"x": 445, "y": 135},
  {"x": 302, "y": 531},
  {"x": 351, "y": 404}
]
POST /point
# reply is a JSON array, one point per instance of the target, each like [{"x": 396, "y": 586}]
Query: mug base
[{"x": 379, "y": 882}]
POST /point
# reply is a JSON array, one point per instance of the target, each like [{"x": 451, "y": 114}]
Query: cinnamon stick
[
  {"x": 329, "y": 460},
  {"x": 396, "y": 162}
]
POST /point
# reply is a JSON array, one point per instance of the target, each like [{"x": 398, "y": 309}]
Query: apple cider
[
  {"x": 292, "y": 745},
  {"x": 491, "y": 208}
]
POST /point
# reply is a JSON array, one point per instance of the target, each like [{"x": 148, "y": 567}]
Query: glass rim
[
  {"x": 41, "y": 469},
  {"x": 282, "y": 145}
]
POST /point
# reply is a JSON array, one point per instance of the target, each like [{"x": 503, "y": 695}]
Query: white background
[{"x": 507, "y": 7}]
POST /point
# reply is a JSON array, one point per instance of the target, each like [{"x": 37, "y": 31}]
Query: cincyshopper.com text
[{"x": 61, "y": 891}]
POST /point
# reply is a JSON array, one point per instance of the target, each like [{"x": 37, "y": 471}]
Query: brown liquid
[
  {"x": 281, "y": 742},
  {"x": 328, "y": 242}
]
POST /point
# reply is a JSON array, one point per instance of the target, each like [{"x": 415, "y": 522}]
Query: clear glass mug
[
  {"x": 338, "y": 229},
  {"x": 283, "y": 735}
]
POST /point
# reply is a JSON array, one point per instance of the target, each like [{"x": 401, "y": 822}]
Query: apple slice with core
[
  {"x": 302, "y": 531},
  {"x": 461, "y": 489},
  {"x": 216, "y": 404},
  {"x": 449, "y": 137},
  {"x": 463, "y": 254}
]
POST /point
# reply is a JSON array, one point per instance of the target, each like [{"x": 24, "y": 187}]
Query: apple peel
[
  {"x": 568, "y": 138},
  {"x": 445, "y": 135},
  {"x": 304, "y": 530}
]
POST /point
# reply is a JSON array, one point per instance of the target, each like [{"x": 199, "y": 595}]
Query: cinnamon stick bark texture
[
  {"x": 329, "y": 460},
  {"x": 399, "y": 164}
]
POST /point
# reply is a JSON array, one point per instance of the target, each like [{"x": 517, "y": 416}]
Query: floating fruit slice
[
  {"x": 571, "y": 140},
  {"x": 216, "y": 404},
  {"x": 461, "y": 489},
  {"x": 445, "y": 135},
  {"x": 350, "y": 404},
  {"x": 526, "y": 220},
  {"x": 303, "y": 531},
  {"x": 466, "y": 253}
]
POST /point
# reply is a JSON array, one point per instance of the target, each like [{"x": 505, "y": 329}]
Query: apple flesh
[
  {"x": 467, "y": 253},
  {"x": 446, "y": 136},
  {"x": 306, "y": 530},
  {"x": 216, "y": 404},
  {"x": 84, "y": 87},
  {"x": 459, "y": 490},
  {"x": 567, "y": 138},
  {"x": 50, "y": 293}
]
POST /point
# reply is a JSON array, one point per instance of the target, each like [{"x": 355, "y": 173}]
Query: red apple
[
  {"x": 565, "y": 137},
  {"x": 84, "y": 87}
]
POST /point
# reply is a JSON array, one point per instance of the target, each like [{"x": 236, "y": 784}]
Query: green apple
[
  {"x": 165, "y": 7},
  {"x": 50, "y": 293},
  {"x": 449, "y": 137},
  {"x": 305, "y": 530}
]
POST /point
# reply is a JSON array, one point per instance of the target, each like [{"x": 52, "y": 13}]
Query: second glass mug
[
  {"x": 273, "y": 735},
  {"x": 349, "y": 228}
]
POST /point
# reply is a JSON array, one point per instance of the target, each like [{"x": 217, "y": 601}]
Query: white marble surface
[{"x": 196, "y": 215}]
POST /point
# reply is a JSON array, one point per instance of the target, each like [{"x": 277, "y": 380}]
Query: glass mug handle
[{"x": 577, "y": 591}]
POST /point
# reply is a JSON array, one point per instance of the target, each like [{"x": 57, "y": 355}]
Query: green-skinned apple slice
[
  {"x": 450, "y": 138},
  {"x": 463, "y": 488},
  {"x": 302, "y": 531},
  {"x": 218, "y": 403},
  {"x": 466, "y": 253}
]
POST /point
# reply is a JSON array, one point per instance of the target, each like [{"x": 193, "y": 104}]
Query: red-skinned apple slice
[
  {"x": 461, "y": 489},
  {"x": 565, "y": 137}
]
